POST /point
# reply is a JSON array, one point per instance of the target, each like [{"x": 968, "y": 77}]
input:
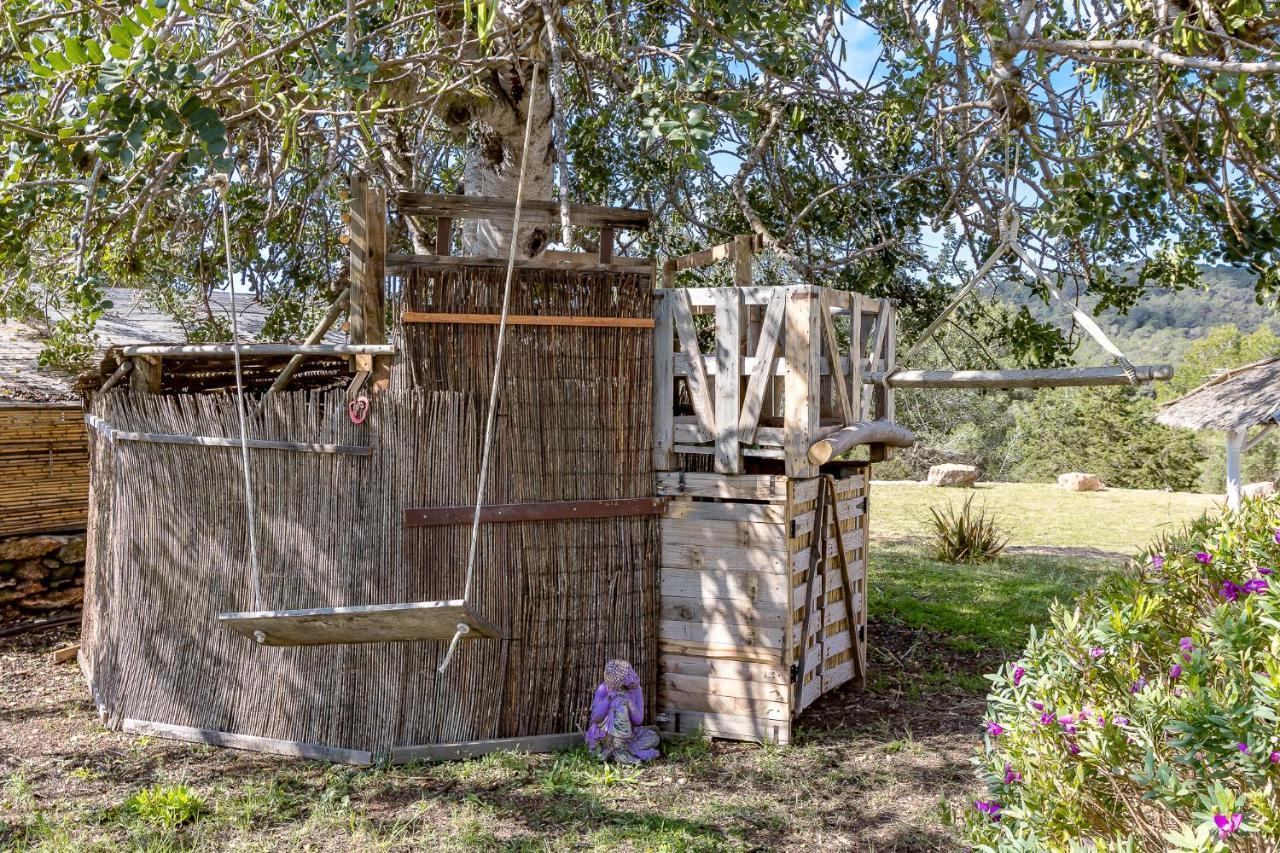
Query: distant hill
[{"x": 1164, "y": 323}]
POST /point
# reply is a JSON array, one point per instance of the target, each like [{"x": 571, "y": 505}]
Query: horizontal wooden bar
[
  {"x": 112, "y": 434},
  {"x": 535, "y": 511},
  {"x": 532, "y": 211},
  {"x": 864, "y": 432},
  {"x": 249, "y": 742},
  {"x": 401, "y": 262},
  {"x": 1057, "y": 377},
  {"x": 708, "y": 256},
  {"x": 528, "y": 320},
  {"x": 207, "y": 350}
]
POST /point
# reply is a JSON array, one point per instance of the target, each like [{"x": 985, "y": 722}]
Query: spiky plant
[{"x": 966, "y": 535}]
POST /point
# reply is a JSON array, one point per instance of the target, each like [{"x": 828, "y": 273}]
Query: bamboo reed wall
[
  {"x": 44, "y": 468},
  {"x": 168, "y": 547}
]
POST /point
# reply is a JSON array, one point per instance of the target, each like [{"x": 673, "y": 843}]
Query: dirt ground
[{"x": 876, "y": 769}]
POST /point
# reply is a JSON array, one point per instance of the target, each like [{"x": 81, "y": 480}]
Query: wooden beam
[
  {"x": 215, "y": 350},
  {"x": 866, "y": 432},
  {"x": 122, "y": 370},
  {"x": 549, "y": 259},
  {"x": 357, "y": 249},
  {"x": 111, "y": 433},
  {"x": 753, "y": 398},
  {"x": 317, "y": 335},
  {"x": 607, "y": 237},
  {"x": 375, "y": 266},
  {"x": 532, "y": 211},
  {"x": 527, "y": 320},
  {"x": 803, "y": 381},
  {"x": 728, "y": 370},
  {"x": 249, "y": 742},
  {"x": 444, "y": 235},
  {"x": 439, "y": 516},
  {"x": 663, "y": 384},
  {"x": 147, "y": 372},
  {"x": 696, "y": 380},
  {"x": 1056, "y": 377}
]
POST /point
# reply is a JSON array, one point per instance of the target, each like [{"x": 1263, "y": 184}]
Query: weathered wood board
[{"x": 377, "y": 623}]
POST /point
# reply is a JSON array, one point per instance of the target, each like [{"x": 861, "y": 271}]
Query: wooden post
[
  {"x": 357, "y": 247},
  {"x": 728, "y": 379},
  {"x": 663, "y": 384},
  {"x": 444, "y": 235},
  {"x": 885, "y": 409},
  {"x": 855, "y": 354},
  {"x": 802, "y": 380},
  {"x": 742, "y": 251},
  {"x": 606, "y": 245},
  {"x": 146, "y": 375},
  {"x": 375, "y": 280},
  {"x": 1235, "y": 449}
]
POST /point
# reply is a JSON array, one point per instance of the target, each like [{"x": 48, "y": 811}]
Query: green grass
[
  {"x": 987, "y": 606},
  {"x": 1120, "y": 520}
]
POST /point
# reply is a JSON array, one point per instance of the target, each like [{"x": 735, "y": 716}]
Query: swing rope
[
  {"x": 220, "y": 184},
  {"x": 491, "y": 419}
]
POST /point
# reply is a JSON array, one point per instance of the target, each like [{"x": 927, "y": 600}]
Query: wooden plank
[
  {"x": 725, "y": 634},
  {"x": 357, "y": 251},
  {"x": 476, "y": 748},
  {"x": 716, "y": 511},
  {"x": 527, "y": 320},
  {"x": 753, "y": 398},
  {"x": 706, "y": 485},
  {"x": 663, "y": 386},
  {"x": 803, "y": 523},
  {"x": 724, "y": 534},
  {"x": 731, "y": 688},
  {"x": 66, "y": 653},
  {"x": 531, "y": 210},
  {"x": 606, "y": 245},
  {"x": 718, "y": 611},
  {"x": 728, "y": 364},
  {"x": 853, "y": 364},
  {"x": 214, "y": 350},
  {"x": 732, "y": 727},
  {"x": 377, "y": 623},
  {"x": 767, "y": 673},
  {"x": 146, "y": 375},
  {"x": 705, "y": 297},
  {"x": 444, "y": 235},
  {"x": 725, "y": 585},
  {"x": 677, "y": 700},
  {"x": 720, "y": 651},
  {"x": 743, "y": 248},
  {"x": 699, "y": 385},
  {"x": 107, "y": 431},
  {"x": 852, "y": 539},
  {"x": 837, "y": 675},
  {"x": 533, "y": 511},
  {"x": 831, "y": 346},
  {"x": 748, "y": 366},
  {"x": 400, "y": 263},
  {"x": 751, "y": 559},
  {"x": 375, "y": 270},
  {"x": 803, "y": 381},
  {"x": 231, "y": 740},
  {"x": 1059, "y": 377}
]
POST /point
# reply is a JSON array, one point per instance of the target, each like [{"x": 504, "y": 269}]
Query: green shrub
[
  {"x": 966, "y": 536},
  {"x": 1148, "y": 716},
  {"x": 165, "y": 806}
]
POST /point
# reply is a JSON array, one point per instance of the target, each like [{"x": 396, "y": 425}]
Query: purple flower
[
  {"x": 1243, "y": 747},
  {"x": 1204, "y": 557},
  {"x": 1185, "y": 644},
  {"x": 1157, "y": 561},
  {"x": 1047, "y": 718},
  {"x": 1278, "y": 536},
  {"x": 1228, "y": 825},
  {"x": 1074, "y": 748},
  {"x": 1039, "y": 706},
  {"x": 1138, "y": 685},
  {"x": 1011, "y": 775},
  {"x": 1097, "y": 652},
  {"x": 1256, "y": 585},
  {"x": 1263, "y": 570},
  {"x": 990, "y": 808},
  {"x": 1122, "y": 721},
  {"x": 994, "y": 729},
  {"x": 1018, "y": 672},
  {"x": 1068, "y": 724},
  {"x": 1229, "y": 591},
  {"x": 1275, "y": 758},
  {"x": 1102, "y": 721},
  {"x": 1176, "y": 672}
]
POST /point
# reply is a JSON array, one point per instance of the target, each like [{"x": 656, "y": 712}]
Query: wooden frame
[
  {"x": 527, "y": 320},
  {"x": 541, "y": 511}
]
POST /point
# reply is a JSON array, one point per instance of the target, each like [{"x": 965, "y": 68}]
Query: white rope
[
  {"x": 220, "y": 186},
  {"x": 491, "y": 420}
]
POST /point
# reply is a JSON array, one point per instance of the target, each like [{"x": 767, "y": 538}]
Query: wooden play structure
[{"x": 671, "y": 484}]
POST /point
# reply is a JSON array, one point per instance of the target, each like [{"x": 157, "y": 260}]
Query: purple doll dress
[{"x": 617, "y": 709}]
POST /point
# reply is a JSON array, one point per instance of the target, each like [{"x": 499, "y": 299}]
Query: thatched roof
[{"x": 1235, "y": 399}]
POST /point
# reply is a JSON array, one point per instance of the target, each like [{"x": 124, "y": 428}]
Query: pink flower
[
  {"x": 1263, "y": 570},
  {"x": 1229, "y": 591},
  {"x": 1228, "y": 825},
  {"x": 1185, "y": 644},
  {"x": 1243, "y": 747},
  {"x": 1275, "y": 757},
  {"x": 1122, "y": 721},
  {"x": 1204, "y": 557},
  {"x": 1278, "y": 536},
  {"x": 1068, "y": 724},
  {"x": 1176, "y": 672},
  {"x": 1074, "y": 748},
  {"x": 1256, "y": 585},
  {"x": 990, "y": 808},
  {"x": 1097, "y": 652},
  {"x": 1157, "y": 561},
  {"x": 1018, "y": 672},
  {"x": 1046, "y": 718},
  {"x": 994, "y": 729},
  {"x": 1011, "y": 775},
  {"x": 1039, "y": 706}
]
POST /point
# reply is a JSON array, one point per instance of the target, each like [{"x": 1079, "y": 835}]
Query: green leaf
[
  {"x": 74, "y": 51},
  {"x": 119, "y": 51},
  {"x": 58, "y": 62},
  {"x": 94, "y": 50}
]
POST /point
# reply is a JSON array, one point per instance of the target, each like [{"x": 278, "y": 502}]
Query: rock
[
  {"x": 1078, "y": 482},
  {"x": 32, "y": 546},
  {"x": 951, "y": 474},
  {"x": 73, "y": 551},
  {"x": 1256, "y": 491},
  {"x": 32, "y": 570},
  {"x": 56, "y": 600}
]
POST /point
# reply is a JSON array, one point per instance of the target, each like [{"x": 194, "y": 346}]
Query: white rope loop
[
  {"x": 462, "y": 628},
  {"x": 220, "y": 184}
]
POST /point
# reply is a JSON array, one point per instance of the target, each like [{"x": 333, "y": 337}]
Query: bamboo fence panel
[{"x": 44, "y": 468}]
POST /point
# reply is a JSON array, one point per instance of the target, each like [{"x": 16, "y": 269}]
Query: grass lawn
[
  {"x": 875, "y": 769},
  {"x": 1117, "y": 520}
]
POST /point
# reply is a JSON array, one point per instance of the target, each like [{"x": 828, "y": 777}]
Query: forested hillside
[{"x": 1164, "y": 323}]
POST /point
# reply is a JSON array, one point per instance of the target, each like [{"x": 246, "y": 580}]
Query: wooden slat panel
[
  {"x": 716, "y": 668},
  {"x": 538, "y": 511},
  {"x": 698, "y": 384},
  {"x": 726, "y": 634},
  {"x": 803, "y": 523},
  {"x": 678, "y": 700},
  {"x": 753, "y": 559},
  {"x": 531, "y": 210},
  {"x": 716, "y": 511},
  {"x": 831, "y": 346},
  {"x": 852, "y": 539},
  {"x": 721, "y": 651},
  {"x": 744, "y": 487},
  {"x": 716, "y": 611},
  {"x": 720, "y": 584},
  {"x": 527, "y": 320},
  {"x": 724, "y": 534},
  {"x": 733, "y": 727},
  {"x": 729, "y": 688},
  {"x": 753, "y": 398},
  {"x": 728, "y": 366}
]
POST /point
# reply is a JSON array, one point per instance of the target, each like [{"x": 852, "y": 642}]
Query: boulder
[
  {"x": 1255, "y": 491},
  {"x": 1078, "y": 482},
  {"x": 56, "y": 600},
  {"x": 952, "y": 474},
  {"x": 30, "y": 546},
  {"x": 73, "y": 551}
]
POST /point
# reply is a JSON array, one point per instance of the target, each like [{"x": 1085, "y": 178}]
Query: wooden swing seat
[{"x": 375, "y": 623}]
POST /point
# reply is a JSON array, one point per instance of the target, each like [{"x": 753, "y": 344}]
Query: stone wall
[{"x": 40, "y": 576}]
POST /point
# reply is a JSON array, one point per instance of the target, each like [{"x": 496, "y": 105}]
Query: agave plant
[{"x": 966, "y": 535}]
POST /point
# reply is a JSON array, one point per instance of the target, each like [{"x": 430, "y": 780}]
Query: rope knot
[
  {"x": 219, "y": 183},
  {"x": 1009, "y": 224}
]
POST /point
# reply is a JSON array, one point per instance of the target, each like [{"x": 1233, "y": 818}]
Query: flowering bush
[{"x": 1147, "y": 716}]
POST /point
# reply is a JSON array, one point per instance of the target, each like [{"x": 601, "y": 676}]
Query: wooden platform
[{"x": 377, "y": 623}]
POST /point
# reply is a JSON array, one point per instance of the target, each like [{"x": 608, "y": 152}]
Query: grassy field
[
  {"x": 1117, "y": 520},
  {"x": 878, "y": 769}
]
